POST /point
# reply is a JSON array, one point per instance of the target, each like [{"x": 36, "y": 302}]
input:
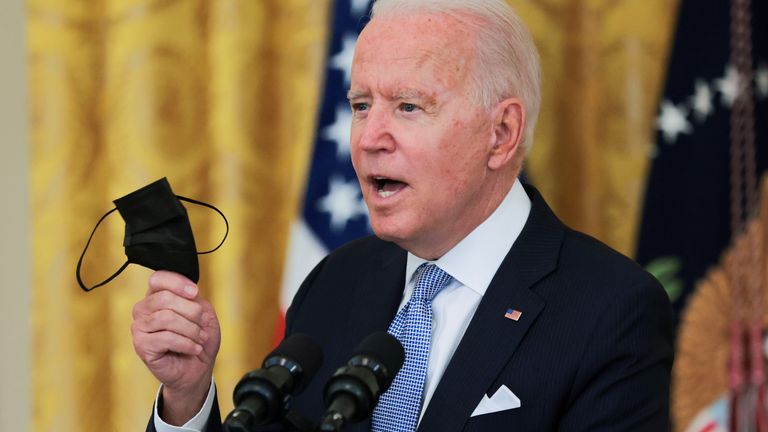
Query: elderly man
[{"x": 509, "y": 319}]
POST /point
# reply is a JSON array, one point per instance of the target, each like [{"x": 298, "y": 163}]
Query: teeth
[{"x": 385, "y": 194}]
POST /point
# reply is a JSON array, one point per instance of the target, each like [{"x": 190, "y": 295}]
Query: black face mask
[{"x": 158, "y": 234}]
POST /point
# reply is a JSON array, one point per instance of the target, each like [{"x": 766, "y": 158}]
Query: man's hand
[{"x": 177, "y": 335}]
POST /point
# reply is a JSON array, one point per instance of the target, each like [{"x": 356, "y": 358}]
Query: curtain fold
[
  {"x": 218, "y": 96},
  {"x": 221, "y": 97},
  {"x": 603, "y": 62}
]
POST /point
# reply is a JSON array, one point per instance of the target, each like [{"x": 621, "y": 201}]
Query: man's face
[{"x": 420, "y": 144}]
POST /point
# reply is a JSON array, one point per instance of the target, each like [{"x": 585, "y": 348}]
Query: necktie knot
[{"x": 430, "y": 280}]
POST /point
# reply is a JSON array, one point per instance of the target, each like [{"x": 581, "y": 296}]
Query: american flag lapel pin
[{"x": 513, "y": 314}]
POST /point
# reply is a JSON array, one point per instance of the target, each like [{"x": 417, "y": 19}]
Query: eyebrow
[
  {"x": 426, "y": 101},
  {"x": 404, "y": 94},
  {"x": 411, "y": 94},
  {"x": 354, "y": 94}
]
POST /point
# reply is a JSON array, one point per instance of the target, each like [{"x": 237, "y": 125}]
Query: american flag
[
  {"x": 713, "y": 418},
  {"x": 333, "y": 212},
  {"x": 686, "y": 218},
  {"x": 513, "y": 314}
]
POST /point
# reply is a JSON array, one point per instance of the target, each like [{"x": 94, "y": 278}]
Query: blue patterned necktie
[{"x": 399, "y": 407}]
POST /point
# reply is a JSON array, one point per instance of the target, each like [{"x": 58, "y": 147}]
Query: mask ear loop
[
  {"x": 226, "y": 223},
  {"x": 80, "y": 261},
  {"x": 120, "y": 270}
]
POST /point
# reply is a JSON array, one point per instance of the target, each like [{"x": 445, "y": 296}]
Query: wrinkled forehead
[{"x": 431, "y": 40}]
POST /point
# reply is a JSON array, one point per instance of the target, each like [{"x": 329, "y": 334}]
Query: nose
[{"x": 373, "y": 133}]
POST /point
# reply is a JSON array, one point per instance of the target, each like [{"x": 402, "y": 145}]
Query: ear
[{"x": 508, "y": 126}]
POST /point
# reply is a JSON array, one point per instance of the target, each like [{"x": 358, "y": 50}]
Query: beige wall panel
[{"x": 15, "y": 255}]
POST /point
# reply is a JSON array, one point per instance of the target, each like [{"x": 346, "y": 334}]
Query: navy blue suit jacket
[{"x": 592, "y": 350}]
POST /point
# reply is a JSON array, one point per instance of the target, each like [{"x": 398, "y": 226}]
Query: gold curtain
[
  {"x": 220, "y": 96},
  {"x": 603, "y": 64}
]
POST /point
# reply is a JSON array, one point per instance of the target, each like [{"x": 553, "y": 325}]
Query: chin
[
  {"x": 384, "y": 234},
  {"x": 388, "y": 231},
  {"x": 403, "y": 236}
]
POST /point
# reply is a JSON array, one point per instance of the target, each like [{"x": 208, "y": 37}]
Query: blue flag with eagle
[
  {"x": 686, "y": 216},
  {"x": 333, "y": 212}
]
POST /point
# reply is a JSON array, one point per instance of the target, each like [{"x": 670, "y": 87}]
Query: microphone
[
  {"x": 263, "y": 395},
  {"x": 353, "y": 391}
]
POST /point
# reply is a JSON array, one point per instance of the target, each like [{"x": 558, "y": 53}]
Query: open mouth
[{"x": 386, "y": 187}]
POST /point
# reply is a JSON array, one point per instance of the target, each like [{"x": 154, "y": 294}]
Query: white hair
[{"x": 507, "y": 59}]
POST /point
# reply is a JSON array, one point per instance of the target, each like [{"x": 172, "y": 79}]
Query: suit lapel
[
  {"x": 491, "y": 339},
  {"x": 378, "y": 293}
]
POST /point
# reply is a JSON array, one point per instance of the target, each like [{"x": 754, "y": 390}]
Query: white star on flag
[
  {"x": 358, "y": 7},
  {"x": 701, "y": 101},
  {"x": 342, "y": 60},
  {"x": 729, "y": 86},
  {"x": 333, "y": 212},
  {"x": 343, "y": 202},
  {"x": 338, "y": 132},
  {"x": 761, "y": 81},
  {"x": 672, "y": 121}
]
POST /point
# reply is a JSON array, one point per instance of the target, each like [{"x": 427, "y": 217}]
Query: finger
[
  {"x": 174, "y": 282},
  {"x": 162, "y": 300},
  {"x": 208, "y": 318},
  {"x": 151, "y": 346},
  {"x": 168, "y": 320}
]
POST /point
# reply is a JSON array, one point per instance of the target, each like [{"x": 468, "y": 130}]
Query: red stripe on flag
[{"x": 279, "y": 329}]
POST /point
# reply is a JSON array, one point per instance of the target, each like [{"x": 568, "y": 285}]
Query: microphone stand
[{"x": 296, "y": 422}]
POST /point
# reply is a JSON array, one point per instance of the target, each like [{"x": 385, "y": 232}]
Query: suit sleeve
[
  {"x": 301, "y": 294},
  {"x": 214, "y": 420},
  {"x": 623, "y": 381},
  {"x": 213, "y": 423}
]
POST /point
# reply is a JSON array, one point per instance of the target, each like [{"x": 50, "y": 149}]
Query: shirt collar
[{"x": 476, "y": 258}]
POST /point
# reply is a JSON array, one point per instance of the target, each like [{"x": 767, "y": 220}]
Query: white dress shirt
[
  {"x": 472, "y": 263},
  {"x": 195, "y": 424}
]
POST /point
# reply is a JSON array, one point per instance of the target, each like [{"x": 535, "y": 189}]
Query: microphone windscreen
[
  {"x": 304, "y": 351},
  {"x": 385, "y": 348}
]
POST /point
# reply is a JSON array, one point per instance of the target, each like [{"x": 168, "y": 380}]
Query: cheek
[
  {"x": 354, "y": 137},
  {"x": 459, "y": 178},
  {"x": 462, "y": 157},
  {"x": 354, "y": 147},
  {"x": 445, "y": 178}
]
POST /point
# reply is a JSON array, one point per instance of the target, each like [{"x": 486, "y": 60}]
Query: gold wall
[{"x": 220, "y": 96}]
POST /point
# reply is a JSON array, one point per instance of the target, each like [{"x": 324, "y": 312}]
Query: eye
[
  {"x": 359, "y": 106},
  {"x": 409, "y": 107}
]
